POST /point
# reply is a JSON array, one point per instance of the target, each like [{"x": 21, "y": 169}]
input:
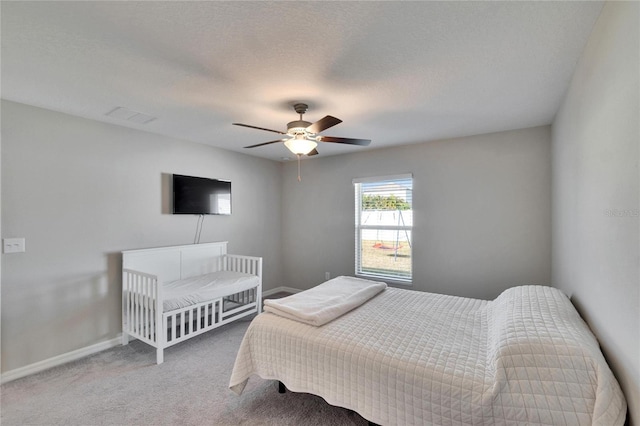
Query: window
[{"x": 384, "y": 222}]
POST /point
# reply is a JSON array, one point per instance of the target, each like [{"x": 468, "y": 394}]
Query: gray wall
[
  {"x": 482, "y": 212},
  {"x": 595, "y": 192},
  {"x": 81, "y": 191}
]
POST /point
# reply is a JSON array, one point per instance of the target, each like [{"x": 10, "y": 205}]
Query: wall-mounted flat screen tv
[{"x": 196, "y": 195}]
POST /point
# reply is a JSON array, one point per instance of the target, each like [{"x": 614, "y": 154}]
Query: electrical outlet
[
  {"x": 13, "y": 245},
  {"x": 327, "y": 276}
]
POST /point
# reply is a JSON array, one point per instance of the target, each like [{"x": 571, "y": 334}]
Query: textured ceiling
[{"x": 394, "y": 72}]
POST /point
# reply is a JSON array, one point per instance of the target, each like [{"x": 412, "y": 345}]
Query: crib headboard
[{"x": 176, "y": 262}]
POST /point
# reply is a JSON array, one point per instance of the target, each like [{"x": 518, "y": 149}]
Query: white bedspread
[
  {"x": 325, "y": 302},
  {"x": 410, "y": 358},
  {"x": 189, "y": 291}
]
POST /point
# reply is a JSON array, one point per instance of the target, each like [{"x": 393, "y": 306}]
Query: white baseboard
[
  {"x": 59, "y": 360},
  {"x": 90, "y": 350},
  {"x": 280, "y": 289}
]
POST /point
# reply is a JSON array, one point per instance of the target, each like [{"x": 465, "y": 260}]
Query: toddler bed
[
  {"x": 171, "y": 294},
  {"x": 408, "y": 358}
]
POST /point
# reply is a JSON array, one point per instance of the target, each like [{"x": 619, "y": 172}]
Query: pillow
[
  {"x": 536, "y": 319},
  {"x": 540, "y": 353}
]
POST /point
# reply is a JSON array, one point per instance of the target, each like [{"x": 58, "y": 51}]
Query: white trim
[
  {"x": 46, "y": 364},
  {"x": 359, "y": 191},
  {"x": 383, "y": 178},
  {"x": 395, "y": 281},
  {"x": 280, "y": 289},
  {"x": 37, "y": 367}
]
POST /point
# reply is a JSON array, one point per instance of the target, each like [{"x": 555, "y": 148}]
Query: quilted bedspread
[{"x": 412, "y": 358}]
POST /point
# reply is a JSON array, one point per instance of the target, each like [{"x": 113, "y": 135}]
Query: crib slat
[
  {"x": 128, "y": 302},
  {"x": 132, "y": 315},
  {"x": 183, "y": 323},
  {"x": 198, "y": 318},
  {"x": 132, "y": 307},
  {"x": 174, "y": 327},
  {"x": 141, "y": 307},
  {"x": 145, "y": 306},
  {"x": 166, "y": 321},
  {"x": 152, "y": 313},
  {"x": 136, "y": 306},
  {"x": 165, "y": 327},
  {"x": 148, "y": 309},
  {"x": 145, "y": 302},
  {"x": 133, "y": 304}
]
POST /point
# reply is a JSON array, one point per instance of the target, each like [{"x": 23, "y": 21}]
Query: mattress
[
  {"x": 412, "y": 358},
  {"x": 202, "y": 288}
]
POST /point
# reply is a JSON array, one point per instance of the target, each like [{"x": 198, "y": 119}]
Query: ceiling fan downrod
[{"x": 298, "y": 127}]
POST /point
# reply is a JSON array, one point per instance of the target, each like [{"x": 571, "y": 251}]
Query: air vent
[{"x": 123, "y": 113}]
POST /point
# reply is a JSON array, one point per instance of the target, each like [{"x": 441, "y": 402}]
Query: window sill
[{"x": 386, "y": 280}]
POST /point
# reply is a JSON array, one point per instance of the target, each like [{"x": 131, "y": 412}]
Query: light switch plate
[{"x": 13, "y": 245}]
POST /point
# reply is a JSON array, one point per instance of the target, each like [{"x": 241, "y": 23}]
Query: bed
[
  {"x": 171, "y": 294},
  {"x": 408, "y": 358}
]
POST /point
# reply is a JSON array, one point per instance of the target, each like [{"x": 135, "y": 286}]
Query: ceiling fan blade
[
  {"x": 265, "y": 143},
  {"x": 314, "y": 152},
  {"x": 323, "y": 124},
  {"x": 363, "y": 142},
  {"x": 259, "y": 128}
]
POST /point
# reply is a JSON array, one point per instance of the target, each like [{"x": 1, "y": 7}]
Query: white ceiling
[{"x": 394, "y": 72}]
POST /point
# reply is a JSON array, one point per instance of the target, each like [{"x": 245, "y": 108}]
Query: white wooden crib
[{"x": 171, "y": 294}]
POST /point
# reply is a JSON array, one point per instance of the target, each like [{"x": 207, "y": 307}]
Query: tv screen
[{"x": 196, "y": 195}]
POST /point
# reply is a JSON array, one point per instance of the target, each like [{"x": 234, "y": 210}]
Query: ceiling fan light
[{"x": 300, "y": 146}]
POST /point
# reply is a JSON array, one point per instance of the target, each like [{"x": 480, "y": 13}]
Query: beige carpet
[{"x": 124, "y": 386}]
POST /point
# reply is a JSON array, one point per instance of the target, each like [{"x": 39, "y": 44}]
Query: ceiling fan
[{"x": 302, "y": 137}]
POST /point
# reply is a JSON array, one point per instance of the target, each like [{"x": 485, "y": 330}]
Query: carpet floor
[{"x": 124, "y": 386}]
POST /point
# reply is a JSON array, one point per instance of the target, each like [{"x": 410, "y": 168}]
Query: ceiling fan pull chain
[{"x": 299, "y": 180}]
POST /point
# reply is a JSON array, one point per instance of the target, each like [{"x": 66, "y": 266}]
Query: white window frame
[{"x": 398, "y": 279}]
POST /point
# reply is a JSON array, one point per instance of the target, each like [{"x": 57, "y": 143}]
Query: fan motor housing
[{"x": 297, "y": 127}]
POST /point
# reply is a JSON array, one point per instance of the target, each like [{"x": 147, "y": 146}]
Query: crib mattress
[{"x": 189, "y": 291}]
